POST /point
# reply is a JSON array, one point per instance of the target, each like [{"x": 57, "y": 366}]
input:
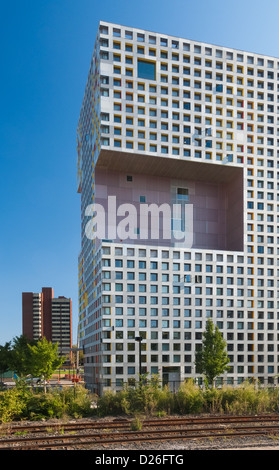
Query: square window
[{"x": 146, "y": 69}]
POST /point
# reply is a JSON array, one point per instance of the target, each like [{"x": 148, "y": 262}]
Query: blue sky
[{"x": 46, "y": 49}]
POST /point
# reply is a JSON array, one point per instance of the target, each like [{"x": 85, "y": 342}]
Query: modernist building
[
  {"x": 168, "y": 121},
  {"x": 49, "y": 317}
]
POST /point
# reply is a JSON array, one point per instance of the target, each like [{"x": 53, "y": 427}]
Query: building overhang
[{"x": 156, "y": 165}]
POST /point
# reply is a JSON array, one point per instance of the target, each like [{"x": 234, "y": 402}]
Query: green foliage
[
  {"x": 4, "y": 357},
  {"x": 20, "y": 358},
  {"x": 145, "y": 398},
  {"x": 189, "y": 398},
  {"x": 74, "y": 402},
  {"x": 136, "y": 424},
  {"x": 45, "y": 406},
  {"x": 13, "y": 404},
  {"x": 212, "y": 360},
  {"x": 24, "y": 357},
  {"x": 44, "y": 358},
  {"x": 77, "y": 401},
  {"x": 22, "y": 402},
  {"x": 148, "y": 397},
  {"x": 244, "y": 399},
  {"x": 113, "y": 403}
]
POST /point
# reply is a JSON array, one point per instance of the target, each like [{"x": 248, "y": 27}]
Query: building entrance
[{"x": 172, "y": 378}]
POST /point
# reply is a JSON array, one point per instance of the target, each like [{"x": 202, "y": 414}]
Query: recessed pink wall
[{"x": 217, "y": 207}]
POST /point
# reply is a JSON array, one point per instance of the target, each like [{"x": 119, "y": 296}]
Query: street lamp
[{"x": 139, "y": 339}]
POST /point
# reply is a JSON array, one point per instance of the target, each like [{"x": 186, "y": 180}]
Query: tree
[
  {"x": 45, "y": 359},
  {"x": 20, "y": 359},
  {"x": 5, "y": 353},
  {"x": 212, "y": 359}
]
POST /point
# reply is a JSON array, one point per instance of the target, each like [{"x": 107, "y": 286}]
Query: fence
[{"x": 173, "y": 385}]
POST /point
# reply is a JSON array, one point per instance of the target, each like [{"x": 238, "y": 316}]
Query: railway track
[
  {"x": 94, "y": 434},
  {"x": 126, "y": 423}
]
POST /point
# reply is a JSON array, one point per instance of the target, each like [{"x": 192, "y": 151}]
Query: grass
[{"x": 189, "y": 399}]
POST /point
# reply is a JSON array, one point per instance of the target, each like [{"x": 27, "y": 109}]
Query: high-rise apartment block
[
  {"x": 49, "y": 317},
  {"x": 168, "y": 122}
]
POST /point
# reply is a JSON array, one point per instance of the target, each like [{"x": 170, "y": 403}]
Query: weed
[
  {"x": 136, "y": 424},
  {"x": 20, "y": 433},
  {"x": 145, "y": 398}
]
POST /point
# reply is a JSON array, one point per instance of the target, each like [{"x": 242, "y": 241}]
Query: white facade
[{"x": 170, "y": 107}]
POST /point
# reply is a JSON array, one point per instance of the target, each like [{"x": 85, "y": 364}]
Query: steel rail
[
  {"x": 136, "y": 436},
  {"x": 126, "y": 423}
]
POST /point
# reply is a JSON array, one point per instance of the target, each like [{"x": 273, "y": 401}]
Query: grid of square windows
[
  {"x": 218, "y": 91},
  {"x": 163, "y": 294},
  {"x": 207, "y": 103}
]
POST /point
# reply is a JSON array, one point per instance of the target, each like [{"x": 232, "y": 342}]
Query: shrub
[
  {"x": 112, "y": 403},
  {"x": 243, "y": 399},
  {"x": 145, "y": 398},
  {"x": 23, "y": 403},
  {"x": 250, "y": 399},
  {"x": 45, "y": 406},
  {"x": 13, "y": 404},
  {"x": 77, "y": 401},
  {"x": 165, "y": 400},
  {"x": 189, "y": 398},
  {"x": 150, "y": 398}
]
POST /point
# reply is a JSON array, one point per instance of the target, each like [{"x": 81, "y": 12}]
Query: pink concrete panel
[{"x": 217, "y": 208}]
